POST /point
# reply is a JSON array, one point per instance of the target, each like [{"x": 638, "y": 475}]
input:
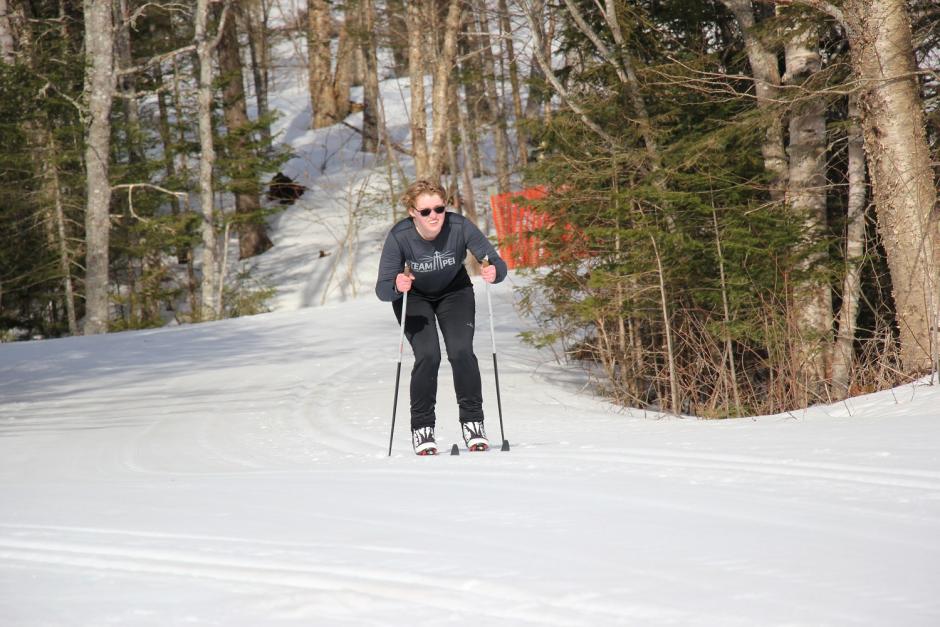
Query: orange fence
[{"x": 515, "y": 221}]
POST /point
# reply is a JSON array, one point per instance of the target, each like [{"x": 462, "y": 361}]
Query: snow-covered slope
[{"x": 235, "y": 473}]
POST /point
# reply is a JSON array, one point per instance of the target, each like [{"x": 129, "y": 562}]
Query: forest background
[{"x": 740, "y": 197}]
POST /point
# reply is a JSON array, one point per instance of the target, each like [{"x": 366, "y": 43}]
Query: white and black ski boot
[
  {"x": 474, "y": 436},
  {"x": 423, "y": 440}
]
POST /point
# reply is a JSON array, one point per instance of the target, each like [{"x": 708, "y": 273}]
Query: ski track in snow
[
  {"x": 429, "y": 593},
  {"x": 691, "y": 523}
]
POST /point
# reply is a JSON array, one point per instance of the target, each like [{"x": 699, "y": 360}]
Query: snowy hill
[{"x": 236, "y": 473}]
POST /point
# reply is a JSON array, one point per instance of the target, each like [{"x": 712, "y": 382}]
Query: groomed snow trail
[{"x": 235, "y": 473}]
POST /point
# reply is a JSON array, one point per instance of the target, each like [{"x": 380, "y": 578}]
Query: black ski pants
[{"x": 454, "y": 312}]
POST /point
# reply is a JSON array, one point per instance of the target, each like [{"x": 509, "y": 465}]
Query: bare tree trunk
[
  {"x": 417, "y": 70},
  {"x": 630, "y": 80},
  {"x": 127, "y": 82},
  {"x": 371, "y": 113},
  {"x": 500, "y": 136},
  {"x": 675, "y": 401},
  {"x": 211, "y": 303},
  {"x": 806, "y": 195},
  {"x": 184, "y": 254},
  {"x": 397, "y": 15},
  {"x": 843, "y": 355},
  {"x": 255, "y": 20},
  {"x": 323, "y": 98},
  {"x": 469, "y": 200},
  {"x": 522, "y": 156},
  {"x": 163, "y": 127},
  {"x": 533, "y": 102},
  {"x": 441, "y": 89},
  {"x": 7, "y": 41},
  {"x": 99, "y": 91},
  {"x": 900, "y": 168},
  {"x": 541, "y": 50},
  {"x": 46, "y": 160},
  {"x": 726, "y": 311},
  {"x": 470, "y": 99},
  {"x": 343, "y": 76},
  {"x": 547, "y": 47},
  {"x": 766, "y": 72},
  {"x": 252, "y": 234}
]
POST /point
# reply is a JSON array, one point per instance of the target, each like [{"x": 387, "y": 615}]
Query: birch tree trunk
[
  {"x": 441, "y": 91},
  {"x": 500, "y": 136},
  {"x": 252, "y": 234},
  {"x": 902, "y": 179},
  {"x": 843, "y": 355},
  {"x": 210, "y": 289},
  {"x": 7, "y": 41},
  {"x": 766, "y": 73},
  {"x": 806, "y": 197},
  {"x": 99, "y": 94},
  {"x": 416, "y": 71}
]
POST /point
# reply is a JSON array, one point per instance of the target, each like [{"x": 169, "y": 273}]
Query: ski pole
[
  {"x": 499, "y": 404},
  {"x": 401, "y": 348}
]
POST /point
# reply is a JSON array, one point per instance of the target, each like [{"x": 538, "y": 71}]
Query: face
[{"x": 428, "y": 226}]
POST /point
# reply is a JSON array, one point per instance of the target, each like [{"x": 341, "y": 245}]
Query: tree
[
  {"x": 254, "y": 16},
  {"x": 372, "y": 118},
  {"x": 500, "y": 135},
  {"x": 844, "y": 350},
  {"x": 7, "y": 43},
  {"x": 766, "y": 72},
  {"x": 441, "y": 91},
  {"x": 252, "y": 234},
  {"x": 329, "y": 82},
  {"x": 807, "y": 201},
  {"x": 211, "y": 307},
  {"x": 100, "y": 81},
  {"x": 903, "y": 184},
  {"x": 417, "y": 31}
]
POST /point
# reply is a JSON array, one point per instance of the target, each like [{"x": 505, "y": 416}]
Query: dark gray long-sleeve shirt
[{"x": 437, "y": 264}]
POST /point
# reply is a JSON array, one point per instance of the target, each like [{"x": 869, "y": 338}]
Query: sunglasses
[{"x": 426, "y": 212}]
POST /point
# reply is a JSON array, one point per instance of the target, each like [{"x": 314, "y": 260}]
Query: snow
[{"x": 236, "y": 473}]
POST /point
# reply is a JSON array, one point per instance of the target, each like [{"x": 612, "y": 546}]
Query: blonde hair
[{"x": 422, "y": 187}]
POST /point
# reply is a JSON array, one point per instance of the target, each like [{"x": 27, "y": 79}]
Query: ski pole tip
[
  {"x": 454, "y": 450},
  {"x": 505, "y": 446}
]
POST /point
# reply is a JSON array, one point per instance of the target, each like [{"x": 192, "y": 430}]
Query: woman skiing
[{"x": 433, "y": 243}]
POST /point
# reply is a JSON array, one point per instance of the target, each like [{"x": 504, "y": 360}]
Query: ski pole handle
[{"x": 404, "y": 307}]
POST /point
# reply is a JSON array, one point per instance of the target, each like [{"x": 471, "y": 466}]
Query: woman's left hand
[{"x": 489, "y": 273}]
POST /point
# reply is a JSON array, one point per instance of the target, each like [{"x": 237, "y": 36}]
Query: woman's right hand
[{"x": 403, "y": 282}]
